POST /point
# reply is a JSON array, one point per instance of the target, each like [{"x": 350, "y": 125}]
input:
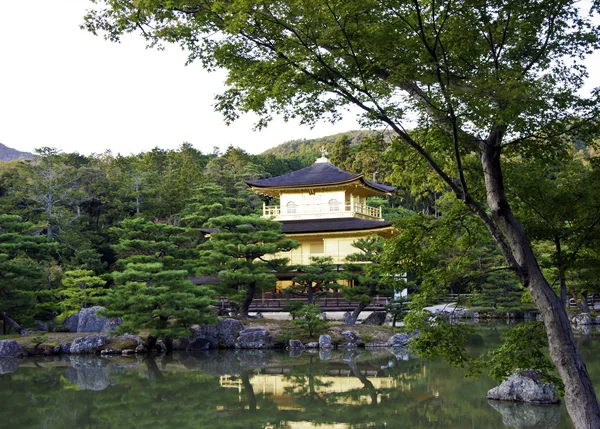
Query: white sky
[{"x": 63, "y": 87}]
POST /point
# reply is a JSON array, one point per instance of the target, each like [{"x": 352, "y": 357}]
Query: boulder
[
  {"x": 401, "y": 340},
  {"x": 312, "y": 345},
  {"x": 597, "y": 321},
  {"x": 582, "y": 319},
  {"x": 72, "y": 322},
  {"x": 348, "y": 320},
  {"x": 352, "y": 340},
  {"x": 161, "y": 347},
  {"x": 221, "y": 335},
  {"x": 325, "y": 342},
  {"x": 376, "y": 345},
  {"x": 527, "y": 416},
  {"x": 254, "y": 338},
  {"x": 89, "y": 321},
  {"x": 89, "y": 344},
  {"x": 524, "y": 386},
  {"x": 296, "y": 345},
  {"x": 10, "y": 349},
  {"x": 375, "y": 318}
]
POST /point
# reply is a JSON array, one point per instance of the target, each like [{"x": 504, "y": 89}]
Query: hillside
[
  {"x": 307, "y": 150},
  {"x": 10, "y": 154}
]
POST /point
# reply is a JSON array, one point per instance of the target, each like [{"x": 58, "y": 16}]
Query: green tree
[
  {"x": 341, "y": 153},
  {"x": 152, "y": 290},
  {"x": 80, "y": 288},
  {"x": 366, "y": 275},
  {"x": 488, "y": 78},
  {"x": 22, "y": 276},
  {"x": 308, "y": 318},
  {"x": 241, "y": 254},
  {"x": 317, "y": 278}
]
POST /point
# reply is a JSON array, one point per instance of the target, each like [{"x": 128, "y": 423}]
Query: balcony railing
[{"x": 322, "y": 210}]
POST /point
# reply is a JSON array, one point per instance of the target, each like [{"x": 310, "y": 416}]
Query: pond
[{"x": 265, "y": 389}]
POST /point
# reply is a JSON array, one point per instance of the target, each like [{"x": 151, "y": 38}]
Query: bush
[
  {"x": 309, "y": 320},
  {"x": 293, "y": 307}
]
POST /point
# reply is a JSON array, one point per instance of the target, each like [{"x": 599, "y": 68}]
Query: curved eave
[
  {"x": 386, "y": 231},
  {"x": 276, "y": 191}
]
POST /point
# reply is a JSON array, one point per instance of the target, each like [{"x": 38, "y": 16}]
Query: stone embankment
[{"x": 227, "y": 334}]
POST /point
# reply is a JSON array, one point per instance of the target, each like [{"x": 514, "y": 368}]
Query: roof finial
[{"x": 323, "y": 151}]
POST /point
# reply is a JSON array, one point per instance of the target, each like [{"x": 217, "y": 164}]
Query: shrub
[{"x": 309, "y": 320}]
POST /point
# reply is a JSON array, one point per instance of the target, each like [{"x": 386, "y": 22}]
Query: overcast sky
[{"x": 62, "y": 87}]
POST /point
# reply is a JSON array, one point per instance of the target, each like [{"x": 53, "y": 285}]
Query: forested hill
[
  {"x": 307, "y": 150},
  {"x": 9, "y": 154}
]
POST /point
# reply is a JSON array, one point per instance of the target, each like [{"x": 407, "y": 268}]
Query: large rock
[
  {"x": 10, "y": 349},
  {"x": 401, "y": 340},
  {"x": 352, "y": 340},
  {"x": 524, "y": 386},
  {"x": 221, "y": 335},
  {"x": 582, "y": 319},
  {"x": 89, "y": 321},
  {"x": 254, "y": 338},
  {"x": 527, "y": 416},
  {"x": 375, "y": 318},
  {"x": 325, "y": 342},
  {"x": 72, "y": 322},
  {"x": 89, "y": 344},
  {"x": 296, "y": 345}
]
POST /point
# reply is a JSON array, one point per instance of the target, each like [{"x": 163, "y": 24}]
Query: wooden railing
[
  {"x": 337, "y": 303},
  {"x": 322, "y": 209}
]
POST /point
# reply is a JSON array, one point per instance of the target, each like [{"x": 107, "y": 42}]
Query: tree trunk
[
  {"x": 361, "y": 306},
  {"x": 580, "y": 397},
  {"x": 7, "y": 321},
  {"x": 561, "y": 273},
  {"x": 309, "y": 294},
  {"x": 247, "y": 301}
]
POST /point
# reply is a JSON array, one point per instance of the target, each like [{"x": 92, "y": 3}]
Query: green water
[{"x": 267, "y": 389}]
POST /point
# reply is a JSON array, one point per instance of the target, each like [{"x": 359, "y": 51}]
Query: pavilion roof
[
  {"x": 331, "y": 225},
  {"x": 318, "y": 174}
]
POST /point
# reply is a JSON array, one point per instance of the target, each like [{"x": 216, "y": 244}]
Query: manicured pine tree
[
  {"x": 317, "y": 278},
  {"x": 242, "y": 253},
  {"x": 22, "y": 277},
  {"x": 80, "y": 289},
  {"x": 365, "y": 275},
  {"x": 153, "y": 290}
]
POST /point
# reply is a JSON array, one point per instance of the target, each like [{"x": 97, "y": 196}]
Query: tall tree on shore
[
  {"x": 241, "y": 253},
  {"x": 22, "y": 275},
  {"x": 491, "y": 78},
  {"x": 152, "y": 289}
]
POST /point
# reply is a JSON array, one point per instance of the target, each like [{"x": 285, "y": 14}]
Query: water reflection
[{"x": 254, "y": 389}]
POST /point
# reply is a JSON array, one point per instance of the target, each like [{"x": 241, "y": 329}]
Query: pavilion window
[
  {"x": 291, "y": 207},
  {"x": 334, "y": 205}
]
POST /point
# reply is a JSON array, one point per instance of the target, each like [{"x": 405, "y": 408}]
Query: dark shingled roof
[
  {"x": 320, "y": 173},
  {"x": 331, "y": 225}
]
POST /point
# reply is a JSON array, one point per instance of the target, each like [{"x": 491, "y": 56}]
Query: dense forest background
[{"x": 74, "y": 228}]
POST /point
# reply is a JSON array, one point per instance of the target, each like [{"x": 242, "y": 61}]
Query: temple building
[{"x": 325, "y": 209}]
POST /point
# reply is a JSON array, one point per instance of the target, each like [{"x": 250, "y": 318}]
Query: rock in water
[
  {"x": 375, "y": 318},
  {"x": 10, "y": 349},
  {"x": 325, "y": 342},
  {"x": 401, "y": 340},
  {"x": 296, "y": 345},
  {"x": 524, "y": 386},
  {"x": 221, "y": 335},
  {"x": 89, "y": 321},
  {"x": 582, "y": 319},
  {"x": 527, "y": 416},
  {"x": 89, "y": 344},
  {"x": 352, "y": 339},
  {"x": 254, "y": 338}
]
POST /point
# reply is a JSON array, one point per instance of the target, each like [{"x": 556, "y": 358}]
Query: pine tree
[
  {"x": 316, "y": 278},
  {"x": 21, "y": 273},
  {"x": 153, "y": 290},
  {"x": 241, "y": 254}
]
